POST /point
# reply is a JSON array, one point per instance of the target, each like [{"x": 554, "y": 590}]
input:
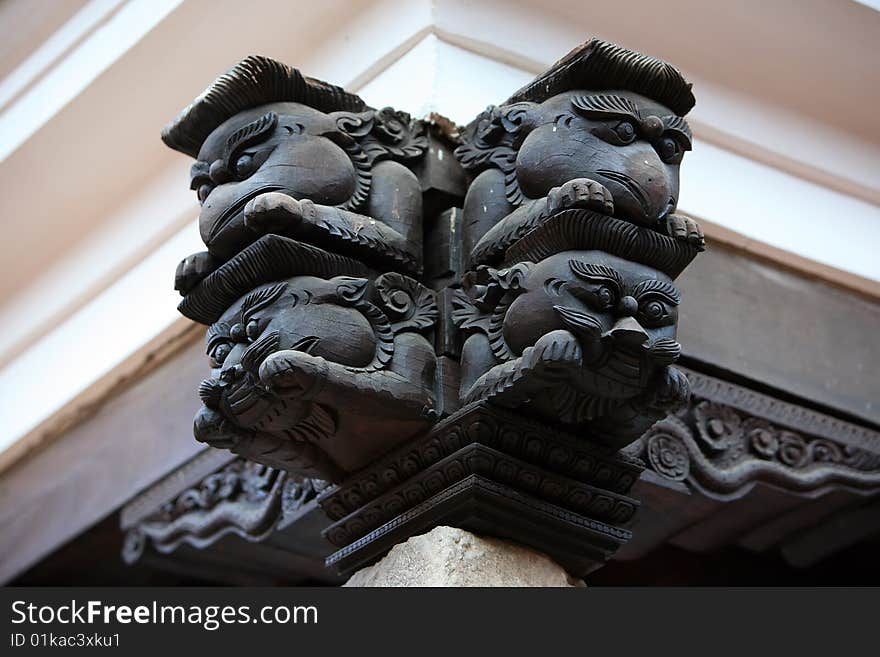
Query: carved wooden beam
[
  {"x": 490, "y": 471},
  {"x": 729, "y": 438},
  {"x": 486, "y": 450},
  {"x": 243, "y": 498}
]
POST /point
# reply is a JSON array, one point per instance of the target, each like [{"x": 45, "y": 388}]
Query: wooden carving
[
  {"x": 242, "y": 498},
  {"x": 582, "y": 337},
  {"x": 728, "y": 438},
  {"x": 573, "y": 243},
  {"x": 493, "y": 472},
  {"x": 603, "y": 129},
  {"x": 277, "y": 152},
  {"x": 320, "y": 375},
  {"x": 331, "y": 356},
  {"x": 312, "y": 221}
]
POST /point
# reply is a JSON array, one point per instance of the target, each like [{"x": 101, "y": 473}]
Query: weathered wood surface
[
  {"x": 781, "y": 330},
  {"x": 128, "y": 445},
  {"x": 93, "y": 469}
]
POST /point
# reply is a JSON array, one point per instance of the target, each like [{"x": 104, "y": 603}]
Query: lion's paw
[
  {"x": 672, "y": 391},
  {"x": 272, "y": 212},
  {"x": 294, "y": 374},
  {"x": 686, "y": 229},
  {"x": 192, "y": 269},
  {"x": 581, "y": 193}
]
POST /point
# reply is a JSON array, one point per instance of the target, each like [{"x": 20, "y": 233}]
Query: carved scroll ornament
[
  {"x": 242, "y": 498},
  {"x": 729, "y": 438}
]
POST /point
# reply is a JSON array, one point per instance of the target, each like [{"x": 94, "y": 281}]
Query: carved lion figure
[
  {"x": 320, "y": 376},
  {"x": 265, "y": 137},
  {"x": 603, "y": 129},
  {"x": 584, "y": 338}
]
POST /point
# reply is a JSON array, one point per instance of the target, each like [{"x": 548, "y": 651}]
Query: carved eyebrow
[
  {"x": 197, "y": 171},
  {"x": 606, "y": 106},
  {"x": 680, "y": 127},
  {"x": 597, "y": 273},
  {"x": 217, "y": 332},
  {"x": 260, "y": 350},
  {"x": 663, "y": 289},
  {"x": 250, "y": 133},
  {"x": 259, "y": 299}
]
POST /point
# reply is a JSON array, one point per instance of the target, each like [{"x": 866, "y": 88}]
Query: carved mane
[
  {"x": 599, "y": 64},
  {"x": 270, "y": 258},
  {"x": 581, "y": 230},
  {"x": 254, "y": 81}
]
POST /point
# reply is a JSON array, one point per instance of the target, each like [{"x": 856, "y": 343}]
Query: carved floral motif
[
  {"x": 243, "y": 498},
  {"x": 724, "y": 451}
]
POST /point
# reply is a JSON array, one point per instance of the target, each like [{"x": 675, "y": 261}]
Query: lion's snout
[{"x": 208, "y": 428}]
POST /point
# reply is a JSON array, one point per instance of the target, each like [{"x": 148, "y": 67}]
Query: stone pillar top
[{"x": 447, "y": 556}]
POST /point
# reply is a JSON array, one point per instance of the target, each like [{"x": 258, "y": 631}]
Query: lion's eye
[
  {"x": 599, "y": 297},
  {"x": 653, "y": 312},
  {"x": 654, "y": 309},
  {"x": 244, "y": 165},
  {"x": 220, "y": 353},
  {"x": 626, "y": 131},
  {"x": 669, "y": 150},
  {"x": 253, "y": 329},
  {"x": 621, "y": 133},
  {"x": 605, "y": 296}
]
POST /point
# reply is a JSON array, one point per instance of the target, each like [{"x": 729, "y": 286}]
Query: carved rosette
[
  {"x": 723, "y": 450},
  {"x": 667, "y": 454}
]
